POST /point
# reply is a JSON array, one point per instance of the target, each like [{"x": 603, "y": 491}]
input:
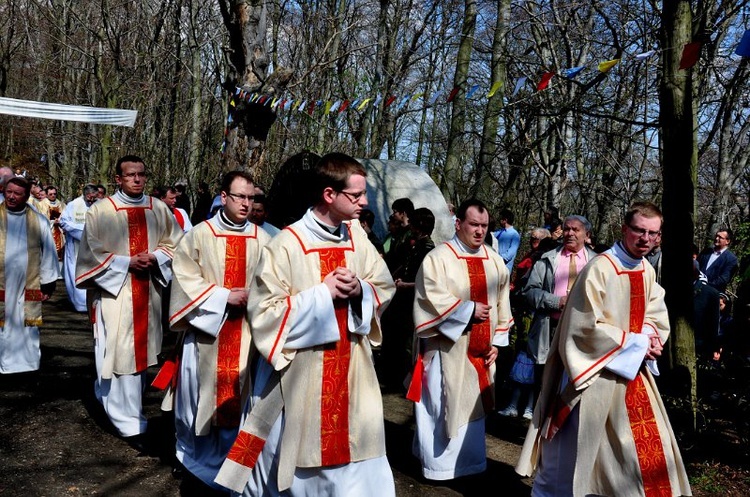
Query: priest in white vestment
[
  {"x": 316, "y": 422},
  {"x": 213, "y": 265},
  {"x": 600, "y": 427},
  {"x": 72, "y": 222},
  {"x": 125, "y": 261},
  {"x": 461, "y": 315},
  {"x": 28, "y": 274}
]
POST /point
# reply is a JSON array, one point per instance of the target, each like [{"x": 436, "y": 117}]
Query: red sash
[
  {"x": 648, "y": 445},
  {"x": 479, "y": 335},
  {"x": 334, "y": 402},
  {"x": 140, "y": 283},
  {"x": 228, "y": 408}
]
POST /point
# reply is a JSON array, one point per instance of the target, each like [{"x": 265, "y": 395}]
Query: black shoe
[{"x": 140, "y": 443}]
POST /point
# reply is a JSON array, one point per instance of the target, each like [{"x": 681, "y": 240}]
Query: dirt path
[{"x": 56, "y": 441}]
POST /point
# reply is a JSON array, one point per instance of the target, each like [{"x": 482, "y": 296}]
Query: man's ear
[{"x": 328, "y": 195}]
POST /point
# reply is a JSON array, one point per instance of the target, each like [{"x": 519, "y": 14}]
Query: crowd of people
[{"x": 286, "y": 337}]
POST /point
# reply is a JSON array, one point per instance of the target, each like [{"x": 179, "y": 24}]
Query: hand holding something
[
  {"x": 563, "y": 301},
  {"x": 481, "y": 312}
]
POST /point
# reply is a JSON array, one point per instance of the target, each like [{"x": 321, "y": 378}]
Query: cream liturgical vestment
[
  {"x": 53, "y": 210},
  {"x": 72, "y": 223},
  {"x": 29, "y": 260},
  {"x": 213, "y": 382},
  {"x": 452, "y": 387},
  {"x": 125, "y": 307},
  {"x": 316, "y": 423},
  {"x": 600, "y": 427}
]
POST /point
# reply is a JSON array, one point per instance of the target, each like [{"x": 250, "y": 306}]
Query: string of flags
[{"x": 690, "y": 56}]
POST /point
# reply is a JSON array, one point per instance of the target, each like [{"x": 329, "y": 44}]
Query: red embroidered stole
[
  {"x": 648, "y": 445},
  {"x": 334, "y": 402},
  {"x": 140, "y": 286},
  {"x": 479, "y": 335},
  {"x": 228, "y": 409}
]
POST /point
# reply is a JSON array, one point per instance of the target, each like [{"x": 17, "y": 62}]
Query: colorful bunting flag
[
  {"x": 472, "y": 91},
  {"x": 572, "y": 72},
  {"x": 645, "y": 55},
  {"x": 544, "y": 82},
  {"x": 607, "y": 65},
  {"x": 690, "y": 54},
  {"x": 519, "y": 84},
  {"x": 495, "y": 86},
  {"x": 364, "y": 103},
  {"x": 435, "y": 98},
  {"x": 743, "y": 49},
  {"x": 343, "y": 107},
  {"x": 452, "y": 95}
]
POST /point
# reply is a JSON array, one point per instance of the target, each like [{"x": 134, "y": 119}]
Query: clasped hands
[
  {"x": 654, "y": 347},
  {"x": 142, "y": 262},
  {"x": 481, "y": 314},
  {"x": 342, "y": 283}
]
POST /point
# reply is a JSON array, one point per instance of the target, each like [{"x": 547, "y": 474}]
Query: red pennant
[
  {"x": 452, "y": 95},
  {"x": 390, "y": 100},
  {"x": 415, "y": 387},
  {"x": 690, "y": 55},
  {"x": 343, "y": 106},
  {"x": 544, "y": 83}
]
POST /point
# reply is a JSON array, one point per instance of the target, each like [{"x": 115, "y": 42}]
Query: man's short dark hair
[
  {"x": 260, "y": 199},
  {"x": 50, "y": 187},
  {"x": 404, "y": 205},
  {"x": 471, "y": 202},
  {"x": 333, "y": 170},
  {"x": 127, "y": 158},
  {"x": 423, "y": 220},
  {"x": 19, "y": 181},
  {"x": 89, "y": 189},
  {"x": 164, "y": 189},
  {"x": 728, "y": 231},
  {"x": 367, "y": 216},
  {"x": 507, "y": 215},
  {"x": 101, "y": 187},
  {"x": 228, "y": 179}
]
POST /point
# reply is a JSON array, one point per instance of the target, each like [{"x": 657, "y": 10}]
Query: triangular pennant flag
[
  {"x": 544, "y": 82},
  {"x": 607, "y": 65},
  {"x": 416, "y": 96},
  {"x": 496, "y": 86},
  {"x": 403, "y": 102},
  {"x": 572, "y": 72},
  {"x": 645, "y": 55},
  {"x": 378, "y": 99},
  {"x": 390, "y": 100},
  {"x": 472, "y": 91},
  {"x": 690, "y": 54},
  {"x": 311, "y": 107},
  {"x": 364, "y": 103},
  {"x": 289, "y": 104},
  {"x": 270, "y": 101},
  {"x": 452, "y": 95},
  {"x": 229, "y": 118},
  {"x": 232, "y": 104},
  {"x": 519, "y": 83},
  {"x": 354, "y": 104},
  {"x": 328, "y": 108},
  {"x": 335, "y": 106},
  {"x": 344, "y": 106},
  {"x": 281, "y": 105},
  {"x": 238, "y": 91},
  {"x": 434, "y": 98},
  {"x": 743, "y": 49},
  {"x": 302, "y": 106}
]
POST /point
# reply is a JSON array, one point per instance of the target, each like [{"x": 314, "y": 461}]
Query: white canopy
[{"x": 61, "y": 112}]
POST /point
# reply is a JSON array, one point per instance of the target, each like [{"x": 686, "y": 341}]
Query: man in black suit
[{"x": 719, "y": 263}]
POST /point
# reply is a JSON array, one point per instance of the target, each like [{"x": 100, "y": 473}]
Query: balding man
[{"x": 6, "y": 173}]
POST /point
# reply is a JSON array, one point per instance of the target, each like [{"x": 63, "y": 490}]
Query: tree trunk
[
  {"x": 452, "y": 174},
  {"x": 679, "y": 166}
]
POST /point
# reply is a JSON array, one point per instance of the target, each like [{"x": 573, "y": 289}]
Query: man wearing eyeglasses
[
  {"x": 316, "y": 422},
  {"x": 719, "y": 264},
  {"x": 213, "y": 265},
  {"x": 125, "y": 262},
  {"x": 72, "y": 221},
  {"x": 600, "y": 427}
]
